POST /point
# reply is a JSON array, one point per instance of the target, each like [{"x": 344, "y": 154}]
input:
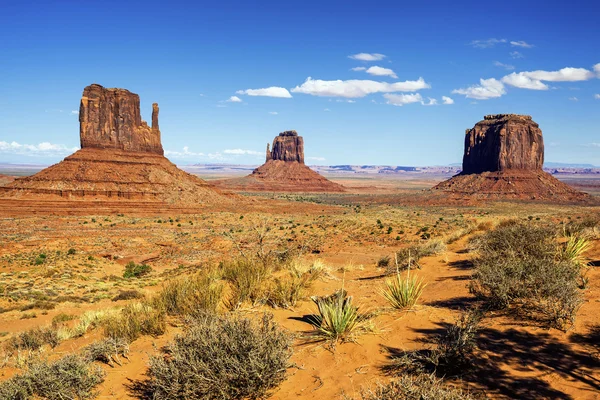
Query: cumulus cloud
[
  {"x": 74, "y": 112},
  {"x": 487, "y": 89},
  {"x": 402, "y": 99},
  {"x": 380, "y": 71},
  {"x": 316, "y": 158},
  {"x": 597, "y": 96},
  {"x": 43, "y": 149},
  {"x": 273, "y": 91},
  {"x": 239, "y": 152},
  {"x": 485, "y": 44},
  {"x": 367, "y": 56},
  {"x": 234, "y": 99},
  {"x": 533, "y": 79},
  {"x": 521, "y": 43},
  {"x": 502, "y": 65},
  {"x": 358, "y": 69},
  {"x": 273, "y": 112},
  {"x": 597, "y": 69},
  {"x": 573, "y": 99},
  {"x": 516, "y": 54},
  {"x": 182, "y": 154},
  {"x": 432, "y": 102},
  {"x": 447, "y": 100},
  {"x": 327, "y": 110},
  {"x": 356, "y": 88}
]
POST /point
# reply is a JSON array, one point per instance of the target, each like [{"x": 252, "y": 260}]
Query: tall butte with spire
[
  {"x": 503, "y": 158},
  {"x": 121, "y": 157},
  {"x": 283, "y": 171}
]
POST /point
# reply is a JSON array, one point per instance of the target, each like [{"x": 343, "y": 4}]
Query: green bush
[
  {"x": 520, "y": 267},
  {"x": 133, "y": 270},
  {"x": 227, "y": 357}
]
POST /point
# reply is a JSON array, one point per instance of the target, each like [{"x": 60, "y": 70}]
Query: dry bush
[
  {"x": 107, "y": 350},
  {"x": 71, "y": 377},
  {"x": 248, "y": 279},
  {"x": 520, "y": 267},
  {"x": 416, "y": 387},
  {"x": 128, "y": 295},
  {"x": 135, "y": 320},
  {"x": 32, "y": 340},
  {"x": 222, "y": 357},
  {"x": 191, "y": 294},
  {"x": 286, "y": 291},
  {"x": 409, "y": 257}
]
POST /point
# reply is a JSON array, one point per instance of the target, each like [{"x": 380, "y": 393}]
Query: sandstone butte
[
  {"x": 503, "y": 159},
  {"x": 283, "y": 171},
  {"x": 121, "y": 157}
]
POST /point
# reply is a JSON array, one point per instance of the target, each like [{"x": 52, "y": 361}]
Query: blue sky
[{"x": 531, "y": 57}]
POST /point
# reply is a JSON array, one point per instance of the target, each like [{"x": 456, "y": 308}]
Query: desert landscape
[{"x": 356, "y": 258}]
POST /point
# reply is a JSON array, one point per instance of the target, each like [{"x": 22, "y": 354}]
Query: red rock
[{"x": 288, "y": 146}]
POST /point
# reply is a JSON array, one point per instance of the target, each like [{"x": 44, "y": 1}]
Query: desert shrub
[
  {"x": 133, "y": 270},
  {"x": 403, "y": 293},
  {"x": 588, "y": 224},
  {"x": 107, "y": 350},
  {"x": 32, "y": 340},
  {"x": 248, "y": 280},
  {"x": 192, "y": 294},
  {"x": 452, "y": 354},
  {"x": 128, "y": 295},
  {"x": 222, "y": 357},
  {"x": 71, "y": 377},
  {"x": 288, "y": 290},
  {"x": 71, "y": 251},
  {"x": 416, "y": 387},
  {"x": 61, "y": 318},
  {"x": 135, "y": 320},
  {"x": 409, "y": 257},
  {"x": 338, "y": 319},
  {"x": 521, "y": 268},
  {"x": 383, "y": 262}
]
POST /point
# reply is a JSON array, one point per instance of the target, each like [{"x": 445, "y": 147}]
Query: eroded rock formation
[
  {"x": 502, "y": 142},
  {"x": 503, "y": 159},
  {"x": 111, "y": 118},
  {"x": 288, "y": 146}
]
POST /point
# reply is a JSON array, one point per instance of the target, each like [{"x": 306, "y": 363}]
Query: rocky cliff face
[
  {"x": 110, "y": 118},
  {"x": 503, "y": 142},
  {"x": 288, "y": 146}
]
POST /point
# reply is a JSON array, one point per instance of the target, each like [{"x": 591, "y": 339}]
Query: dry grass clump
[
  {"x": 71, "y": 377},
  {"x": 191, "y": 294},
  {"x": 287, "y": 290},
  {"x": 338, "y": 319},
  {"x": 248, "y": 279},
  {"x": 416, "y": 387},
  {"x": 222, "y": 357},
  {"x": 520, "y": 267},
  {"x": 32, "y": 340},
  {"x": 107, "y": 350},
  {"x": 403, "y": 292},
  {"x": 134, "y": 320},
  {"x": 409, "y": 257},
  {"x": 128, "y": 295}
]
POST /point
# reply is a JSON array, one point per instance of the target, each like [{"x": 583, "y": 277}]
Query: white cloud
[
  {"x": 402, "y": 99},
  {"x": 516, "y": 54},
  {"x": 327, "y": 109},
  {"x": 316, "y": 158},
  {"x": 597, "y": 69},
  {"x": 358, "y": 69},
  {"x": 273, "y": 91},
  {"x": 533, "y": 79},
  {"x": 521, "y": 43},
  {"x": 234, "y": 99},
  {"x": 487, "y": 89},
  {"x": 221, "y": 105},
  {"x": 447, "y": 100},
  {"x": 380, "y": 71},
  {"x": 593, "y": 144},
  {"x": 182, "y": 154},
  {"x": 74, "y": 112},
  {"x": 502, "y": 65},
  {"x": 573, "y": 99},
  {"x": 356, "y": 88},
  {"x": 597, "y": 96},
  {"x": 273, "y": 112},
  {"x": 367, "y": 56},
  {"x": 524, "y": 82},
  {"x": 239, "y": 152},
  {"x": 485, "y": 44},
  {"x": 43, "y": 149},
  {"x": 432, "y": 102}
]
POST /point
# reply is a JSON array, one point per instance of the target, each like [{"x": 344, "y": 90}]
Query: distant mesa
[
  {"x": 283, "y": 171},
  {"x": 121, "y": 157},
  {"x": 503, "y": 158}
]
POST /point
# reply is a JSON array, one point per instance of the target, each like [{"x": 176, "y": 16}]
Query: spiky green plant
[
  {"x": 339, "y": 320},
  {"x": 574, "y": 248},
  {"x": 403, "y": 293}
]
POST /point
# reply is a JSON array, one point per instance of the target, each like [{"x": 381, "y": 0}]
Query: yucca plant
[
  {"x": 403, "y": 293},
  {"x": 574, "y": 248},
  {"x": 338, "y": 319}
]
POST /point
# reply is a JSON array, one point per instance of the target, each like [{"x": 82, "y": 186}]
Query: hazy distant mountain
[{"x": 567, "y": 165}]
